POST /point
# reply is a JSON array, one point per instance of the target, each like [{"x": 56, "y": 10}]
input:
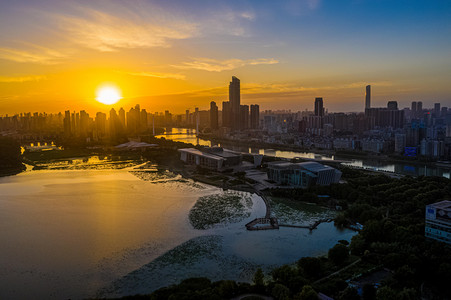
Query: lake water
[
  {"x": 189, "y": 136},
  {"x": 85, "y": 233}
]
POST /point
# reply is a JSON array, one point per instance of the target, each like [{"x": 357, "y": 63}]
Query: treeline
[
  {"x": 392, "y": 212},
  {"x": 10, "y": 156},
  {"x": 285, "y": 282}
]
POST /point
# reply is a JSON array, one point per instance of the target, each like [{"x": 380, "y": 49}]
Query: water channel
[{"x": 189, "y": 136}]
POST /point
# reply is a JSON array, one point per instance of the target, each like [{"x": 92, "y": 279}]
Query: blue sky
[{"x": 285, "y": 52}]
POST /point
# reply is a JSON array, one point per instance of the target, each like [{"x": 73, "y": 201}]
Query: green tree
[
  {"x": 311, "y": 266},
  {"x": 259, "y": 277},
  {"x": 9, "y": 153},
  {"x": 227, "y": 288},
  {"x": 349, "y": 294},
  {"x": 307, "y": 293},
  {"x": 338, "y": 254},
  {"x": 368, "y": 292},
  {"x": 407, "y": 294},
  {"x": 280, "y": 292},
  {"x": 386, "y": 293}
]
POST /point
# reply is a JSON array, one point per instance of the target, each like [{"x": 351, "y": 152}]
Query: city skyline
[{"x": 177, "y": 56}]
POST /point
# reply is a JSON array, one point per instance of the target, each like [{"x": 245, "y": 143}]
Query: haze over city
[{"x": 54, "y": 55}]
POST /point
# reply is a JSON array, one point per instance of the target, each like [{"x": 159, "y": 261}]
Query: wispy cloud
[
  {"x": 33, "y": 54},
  {"x": 215, "y": 65},
  {"x": 157, "y": 75},
  {"x": 109, "y": 32},
  {"x": 302, "y": 7},
  {"x": 295, "y": 88},
  {"x": 5, "y": 79}
]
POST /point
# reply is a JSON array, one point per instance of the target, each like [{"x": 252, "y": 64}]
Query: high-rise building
[
  {"x": 419, "y": 109},
  {"x": 368, "y": 97},
  {"x": 67, "y": 124},
  {"x": 392, "y": 105},
  {"x": 437, "y": 109},
  {"x": 235, "y": 102},
  {"x": 244, "y": 116},
  {"x": 414, "y": 110},
  {"x": 121, "y": 114},
  {"x": 226, "y": 114},
  {"x": 143, "y": 120},
  {"x": 319, "y": 109},
  {"x": 100, "y": 124},
  {"x": 113, "y": 120},
  {"x": 255, "y": 116},
  {"x": 213, "y": 116}
]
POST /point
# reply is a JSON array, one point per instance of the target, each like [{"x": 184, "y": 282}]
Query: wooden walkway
[
  {"x": 262, "y": 224},
  {"x": 311, "y": 227}
]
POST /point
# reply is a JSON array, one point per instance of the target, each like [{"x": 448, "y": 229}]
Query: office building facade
[{"x": 438, "y": 221}]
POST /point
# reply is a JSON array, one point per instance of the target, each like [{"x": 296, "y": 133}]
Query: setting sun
[{"x": 108, "y": 94}]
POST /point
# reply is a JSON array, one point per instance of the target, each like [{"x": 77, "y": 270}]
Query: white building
[{"x": 438, "y": 221}]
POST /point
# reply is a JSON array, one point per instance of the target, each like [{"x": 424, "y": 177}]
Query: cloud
[
  {"x": 36, "y": 54},
  {"x": 302, "y": 7},
  {"x": 214, "y": 65},
  {"x": 248, "y": 16},
  {"x": 109, "y": 32},
  {"x": 157, "y": 75},
  {"x": 4, "y": 79}
]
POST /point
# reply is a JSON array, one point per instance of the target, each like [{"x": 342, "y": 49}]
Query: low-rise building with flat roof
[
  {"x": 302, "y": 174},
  {"x": 438, "y": 221},
  {"x": 214, "y": 158}
]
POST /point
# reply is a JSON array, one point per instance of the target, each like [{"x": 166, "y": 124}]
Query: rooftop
[
  {"x": 314, "y": 166},
  {"x": 442, "y": 205},
  {"x": 194, "y": 151}
]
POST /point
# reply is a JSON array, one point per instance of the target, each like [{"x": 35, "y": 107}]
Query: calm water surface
[{"x": 71, "y": 233}]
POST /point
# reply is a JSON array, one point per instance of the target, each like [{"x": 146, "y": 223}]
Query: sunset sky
[{"x": 179, "y": 55}]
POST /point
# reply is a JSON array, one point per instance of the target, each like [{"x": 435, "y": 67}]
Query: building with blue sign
[{"x": 438, "y": 221}]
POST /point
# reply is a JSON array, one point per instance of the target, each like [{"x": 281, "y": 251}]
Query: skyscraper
[
  {"x": 437, "y": 109},
  {"x": 67, "y": 124},
  {"x": 235, "y": 102},
  {"x": 255, "y": 116},
  {"x": 319, "y": 109},
  {"x": 392, "y": 105},
  {"x": 413, "y": 110},
  {"x": 368, "y": 97},
  {"x": 226, "y": 114},
  {"x": 244, "y": 116},
  {"x": 121, "y": 115},
  {"x": 213, "y": 115},
  {"x": 419, "y": 109}
]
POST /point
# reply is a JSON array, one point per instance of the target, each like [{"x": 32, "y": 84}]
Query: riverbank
[
  {"x": 12, "y": 171},
  {"x": 380, "y": 158}
]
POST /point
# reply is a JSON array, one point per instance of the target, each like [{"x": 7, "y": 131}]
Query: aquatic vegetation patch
[
  {"x": 299, "y": 214},
  {"x": 79, "y": 164},
  {"x": 203, "y": 256},
  {"x": 220, "y": 209},
  {"x": 152, "y": 176}
]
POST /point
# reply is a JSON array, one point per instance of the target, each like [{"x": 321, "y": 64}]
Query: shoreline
[
  {"x": 12, "y": 171},
  {"x": 339, "y": 153}
]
